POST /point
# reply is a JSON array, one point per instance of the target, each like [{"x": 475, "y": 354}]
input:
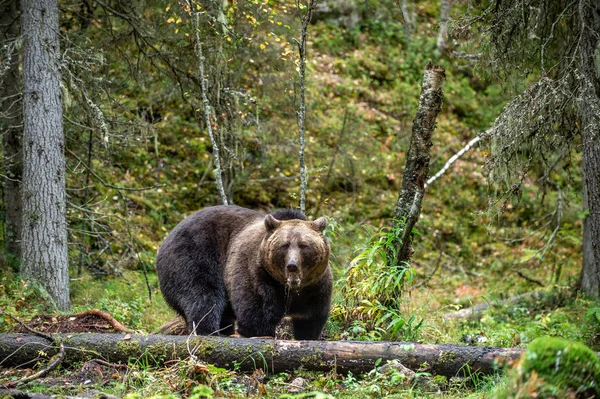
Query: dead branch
[
  {"x": 523, "y": 275},
  {"x": 54, "y": 362},
  {"x": 106, "y": 316},
  {"x": 31, "y": 330},
  {"x": 18, "y": 394},
  {"x": 475, "y": 312},
  {"x": 453, "y": 159}
]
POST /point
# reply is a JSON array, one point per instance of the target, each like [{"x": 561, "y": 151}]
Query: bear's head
[{"x": 295, "y": 252}]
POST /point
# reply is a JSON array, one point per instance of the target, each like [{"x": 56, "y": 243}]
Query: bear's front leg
[
  {"x": 258, "y": 318},
  {"x": 309, "y": 328}
]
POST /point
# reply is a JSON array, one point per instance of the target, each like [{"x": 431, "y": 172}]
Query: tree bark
[
  {"x": 44, "y": 235},
  {"x": 416, "y": 170},
  {"x": 11, "y": 119},
  {"x": 408, "y": 20},
  {"x": 442, "y": 39},
  {"x": 590, "y": 281},
  {"x": 248, "y": 354},
  {"x": 306, "y": 18},
  {"x": 207, "y": 108},
  {"x": 589, "y": 108}
]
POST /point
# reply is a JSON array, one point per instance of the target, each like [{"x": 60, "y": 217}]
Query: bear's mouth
[{"x": 293, "y": 280}]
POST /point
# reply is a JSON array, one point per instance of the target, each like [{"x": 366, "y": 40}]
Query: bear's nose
[{"x": 292, "y": 267}]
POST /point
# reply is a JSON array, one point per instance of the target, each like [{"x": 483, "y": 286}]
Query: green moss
[
  {"x": 554, "y": 368},
  {"x": 564, "y": 363},
  {"x": 447, "y": 357},
  {"x": 129, "y": 348}
]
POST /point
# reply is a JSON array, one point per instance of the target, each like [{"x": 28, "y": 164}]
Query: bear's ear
[
  {"x": 271, "y": 223},
  {"x": 319, "y": 224}
]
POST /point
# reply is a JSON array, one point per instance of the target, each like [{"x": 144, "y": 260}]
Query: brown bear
[{"x": 227, "y": 264}]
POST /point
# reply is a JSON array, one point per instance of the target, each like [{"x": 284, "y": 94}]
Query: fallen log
[
  {"x": 555, "y": 297},
  {"x": 248, "y": 354}
]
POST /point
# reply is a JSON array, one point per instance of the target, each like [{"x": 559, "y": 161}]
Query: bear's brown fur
[{"x": 228, "y": 263}]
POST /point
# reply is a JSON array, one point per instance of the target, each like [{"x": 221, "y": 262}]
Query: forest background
[{"x": 503, "y": 220}]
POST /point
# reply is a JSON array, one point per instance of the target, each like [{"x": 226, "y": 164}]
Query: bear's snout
[{"x": 292, "y": 267}]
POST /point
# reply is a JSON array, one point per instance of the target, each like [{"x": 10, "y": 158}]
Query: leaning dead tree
[
  {"x": 416, "y": 170},
  {"x": 248, "y": 354}
]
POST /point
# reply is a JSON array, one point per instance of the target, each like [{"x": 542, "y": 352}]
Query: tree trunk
[
  {"x": 442, "y": 39},
  {"x": 416, "y": 170},
  {"x": 589, "y": 108},
  {"x": 408, "y": 20},
  {"x": 44, "y": 236},
  {"x": 590, "y": 281},
  {"x": 273, "y": 356},
  {"x": 11, "y": 119},
  {"x": 208, "y": 110}
]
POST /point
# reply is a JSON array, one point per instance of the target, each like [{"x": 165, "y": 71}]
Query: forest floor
[{"x": 506, "y": 325}]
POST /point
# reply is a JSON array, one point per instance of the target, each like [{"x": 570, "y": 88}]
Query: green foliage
[
  {"x": 553, "y": 368},
  {"x": 363, "y": 86},
  {"x": 19, "y": 299},
  {"x": 521, "y": 323},
  {"x": 372, "y": 292}
]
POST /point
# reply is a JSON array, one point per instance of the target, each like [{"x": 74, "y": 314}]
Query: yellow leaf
[
  {"x": 178, "y": 21},
  {"x": 170, "y": 20},
  {"x": 168, "y": 8}
]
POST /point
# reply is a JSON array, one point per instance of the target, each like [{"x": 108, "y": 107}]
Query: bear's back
[{"x": 208, "y": 230}]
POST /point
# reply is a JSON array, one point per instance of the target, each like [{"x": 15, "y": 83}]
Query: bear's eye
[
  {"x": 302, "y": 245},
  {"x": 285, "y": 246}
]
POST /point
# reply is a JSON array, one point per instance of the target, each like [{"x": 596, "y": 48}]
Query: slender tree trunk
[
  {"x": 589, "y": 107},
  {"x": 406, "y": 15},
  {"x": 411, "y": 194},
  {"x": 590, "y": 281},
  {"x": 208, "y": 110},
  {"x": 442, "y": 39},
  {"x": 302, "y": 107},
  {"x": 11, "y": 120},
  {"x": 44, "y": 236}
]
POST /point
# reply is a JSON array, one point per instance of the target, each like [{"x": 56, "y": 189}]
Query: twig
[
  {"x": 31, "y": 330},
  {"x": 529, "y": 278},
  {"x": 106, "y": 316},
  {"x": 107, "y": 364},
  {"x": 437, "y": 267},
  {"x": 54, "y": 362},
  {"x": 105, "y": 184}
]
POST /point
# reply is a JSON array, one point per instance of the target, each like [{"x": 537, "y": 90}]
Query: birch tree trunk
[
  {"x": 44, "y": 236},
  {"x": 589, "y": 108},
  {"x": 207, "y": 108},
  {"x": 411, "y": 194},
  {"x": 11, "y": 122},
  {"x": 442, "y": 39},
  {"x": 306, "y": 18}
]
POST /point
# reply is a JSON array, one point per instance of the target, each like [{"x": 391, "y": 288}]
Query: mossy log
[{"x": 252, "y": 353}]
